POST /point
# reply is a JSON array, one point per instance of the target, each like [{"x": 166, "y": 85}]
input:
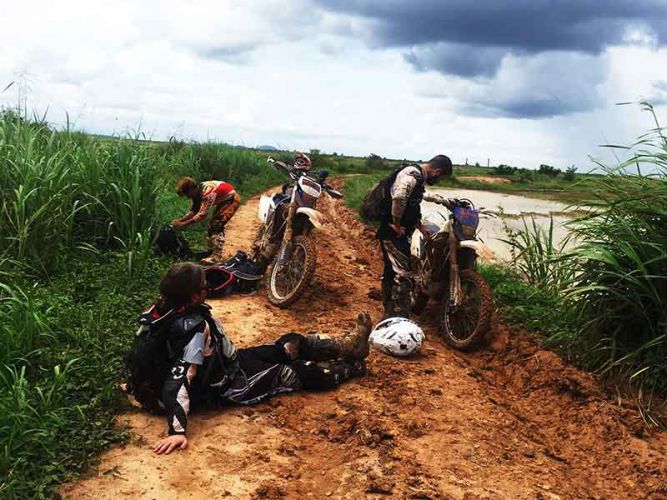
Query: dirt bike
[
  {"x": 284, "y": 239},
  {"x": 443, "y": 262}
]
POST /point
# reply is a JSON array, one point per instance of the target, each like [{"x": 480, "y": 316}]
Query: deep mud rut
[{"x": 509, "y": 421}]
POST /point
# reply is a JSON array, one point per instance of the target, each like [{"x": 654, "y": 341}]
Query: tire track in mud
[{"x": 510, "y": 421}]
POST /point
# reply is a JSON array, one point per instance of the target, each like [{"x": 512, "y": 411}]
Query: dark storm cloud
[
  {"x": 541, "y": 86},
  {"x": 455, "y": 59},
  {"x": 524, "y": 25},
  {"x": 474, "y": 38}
]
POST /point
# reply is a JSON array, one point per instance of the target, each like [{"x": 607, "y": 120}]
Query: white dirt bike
[
  {"x": 444, "y": 264},
  {"x": 285, "y": 238}
]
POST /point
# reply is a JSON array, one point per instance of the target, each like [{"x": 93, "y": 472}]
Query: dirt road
[{"x": 511, "y": 421}]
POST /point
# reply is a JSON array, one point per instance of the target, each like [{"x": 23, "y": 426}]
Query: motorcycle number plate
[{"x": 309, "y": 192}]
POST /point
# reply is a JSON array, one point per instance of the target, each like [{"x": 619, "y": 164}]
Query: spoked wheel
[
  {"x": 287, "y": 282},
  {"x": 464, "y": 326}
]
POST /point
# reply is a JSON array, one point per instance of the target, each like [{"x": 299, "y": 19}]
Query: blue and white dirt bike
[
  {"x": 284, "y": 240},
  {"x": 444, "y": 266}
]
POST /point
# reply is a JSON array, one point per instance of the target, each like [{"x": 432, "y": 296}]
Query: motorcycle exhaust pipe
[{"x": 285, "y": 253}]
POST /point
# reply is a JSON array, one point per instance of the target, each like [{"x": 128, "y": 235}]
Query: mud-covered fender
[
  {"x": 316, "y": 218},
  {"x": 482, "y": 250},
  {"x": 264, "y": 208}
]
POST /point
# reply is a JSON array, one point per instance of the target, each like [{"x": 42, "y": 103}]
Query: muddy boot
[
  {"x": 402, "y": 297},
  {"x": 342, "y": 370},
  {"x": 354, "y": 344},
  {"x": 328, "y": 374},
  {"x": 319, "y": 348},
  {"x": 350, "y": 345},
  {"x": 217, "y": 244}
]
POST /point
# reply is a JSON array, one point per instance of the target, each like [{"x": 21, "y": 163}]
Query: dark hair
[
  {"x": 186, "y": 185},
  {"x": 182, "y": 281},
  {"x": 442, "y": 163}
]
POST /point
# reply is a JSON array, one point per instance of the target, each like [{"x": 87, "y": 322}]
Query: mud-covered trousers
[
  {"x": 396, "y": 277},
  {"x": 222, "y": 213},
  {"x": 272, "y": 369}
]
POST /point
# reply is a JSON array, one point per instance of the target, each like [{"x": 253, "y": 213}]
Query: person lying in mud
[
  {"x": 225, "y": 202},
  {"x": 207, "y": 367}
]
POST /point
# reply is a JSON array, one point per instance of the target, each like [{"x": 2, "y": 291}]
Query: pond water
[{"x": 492, "y": 230}]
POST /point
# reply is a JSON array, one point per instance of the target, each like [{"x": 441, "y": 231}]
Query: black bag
[
  {"x": 148, "y": 362},
  {"x": 170, "y": 242},
  {"x": 377, "y": 202},
  {"x": 238, "y": 274}
]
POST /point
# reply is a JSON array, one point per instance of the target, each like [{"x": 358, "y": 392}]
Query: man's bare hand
[
  {"x": 399, "y": 230},
  {"x": 170, "y": 443},
  {"x": 178, "y": 224}
]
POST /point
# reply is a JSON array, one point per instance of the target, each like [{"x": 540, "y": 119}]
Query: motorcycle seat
[{"x": 278, "y": 197}]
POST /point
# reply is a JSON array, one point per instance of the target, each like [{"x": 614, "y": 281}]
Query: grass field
[{"x": 76, "y": 267}]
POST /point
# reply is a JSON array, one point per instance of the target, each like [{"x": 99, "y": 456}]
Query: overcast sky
[{"x": 522, "y": 82}]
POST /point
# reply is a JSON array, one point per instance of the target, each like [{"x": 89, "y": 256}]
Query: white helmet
[{"x": 397, "y": 336}]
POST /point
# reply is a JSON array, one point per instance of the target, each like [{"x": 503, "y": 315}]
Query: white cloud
[{"x": 286, "y": 73}]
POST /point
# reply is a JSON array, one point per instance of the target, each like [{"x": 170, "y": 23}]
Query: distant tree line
[{"x": 525, "y": 175}]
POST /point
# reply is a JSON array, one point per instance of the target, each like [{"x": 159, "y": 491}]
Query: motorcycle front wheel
[
  {"x": 288, "y": 282},
  {"x": 465, "y": 325}
]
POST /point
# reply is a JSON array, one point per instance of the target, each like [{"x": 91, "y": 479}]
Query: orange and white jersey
[
  {"x": 212, "y": 193},
  {"x": 216, "y": 191}
]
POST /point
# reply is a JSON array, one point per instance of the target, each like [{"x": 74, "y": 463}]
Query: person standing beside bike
[
  {"x": 398, "y": 219},
  {"x": 217, "y": 194}
]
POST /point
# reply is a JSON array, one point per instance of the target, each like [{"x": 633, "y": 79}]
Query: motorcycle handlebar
[
  {"x": 449, "y": 203},
  {"x": 294, "y": 173},
  {"x": 334, "y": 193}
]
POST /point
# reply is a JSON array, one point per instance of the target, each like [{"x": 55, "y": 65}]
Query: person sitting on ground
[
  {"x": 395, "y": 231},
  {"x": 218, "y": 194},
  {"x": 207, "y": 367}
]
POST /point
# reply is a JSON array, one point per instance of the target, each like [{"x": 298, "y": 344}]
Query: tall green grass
[
  {"x": 247, "y": 170},
  {"x": 536, "y": 255},
  {"x": 614, "y": 279},
  {"x": 76, "y": 267},
  {"x": 61, "y": 189},
  {"x": 620, "y": 269}
]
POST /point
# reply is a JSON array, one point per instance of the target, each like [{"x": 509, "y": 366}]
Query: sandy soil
[
  {"x": 486, "y": 179},
  {"x": 510, "y": 421}
]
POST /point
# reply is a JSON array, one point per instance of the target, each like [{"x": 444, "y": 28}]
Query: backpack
[
  {"x": 148, "y": 363},
  {"x": 168, "y": 241},
  {"x": 377, "y": 202}
]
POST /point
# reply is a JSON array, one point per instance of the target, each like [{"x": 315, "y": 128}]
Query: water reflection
[{"x": 492, "y": 230}]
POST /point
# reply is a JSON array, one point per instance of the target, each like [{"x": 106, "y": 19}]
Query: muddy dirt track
[{"x": 510, "y": 421}]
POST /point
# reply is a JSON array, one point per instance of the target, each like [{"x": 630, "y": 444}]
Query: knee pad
[{"x": 293, "y": 344}]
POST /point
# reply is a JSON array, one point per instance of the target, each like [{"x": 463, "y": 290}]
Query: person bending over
[
  {"x": 206, "y": 367},
  {"x": 395, "y": 231},
  {"x": 219, "y": 195}
]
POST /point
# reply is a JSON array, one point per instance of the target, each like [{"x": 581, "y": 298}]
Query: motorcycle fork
[
  {"x": 285, "y": 253},
  {"x": 455, "y": 292}
]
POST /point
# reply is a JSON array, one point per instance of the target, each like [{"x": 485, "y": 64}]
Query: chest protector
[{"x": 377, "y": 203}]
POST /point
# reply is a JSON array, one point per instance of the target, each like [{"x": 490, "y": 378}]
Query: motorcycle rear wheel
[
  {"x": 464, "y": 326},
  {"x": 288, "y": 282}
]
